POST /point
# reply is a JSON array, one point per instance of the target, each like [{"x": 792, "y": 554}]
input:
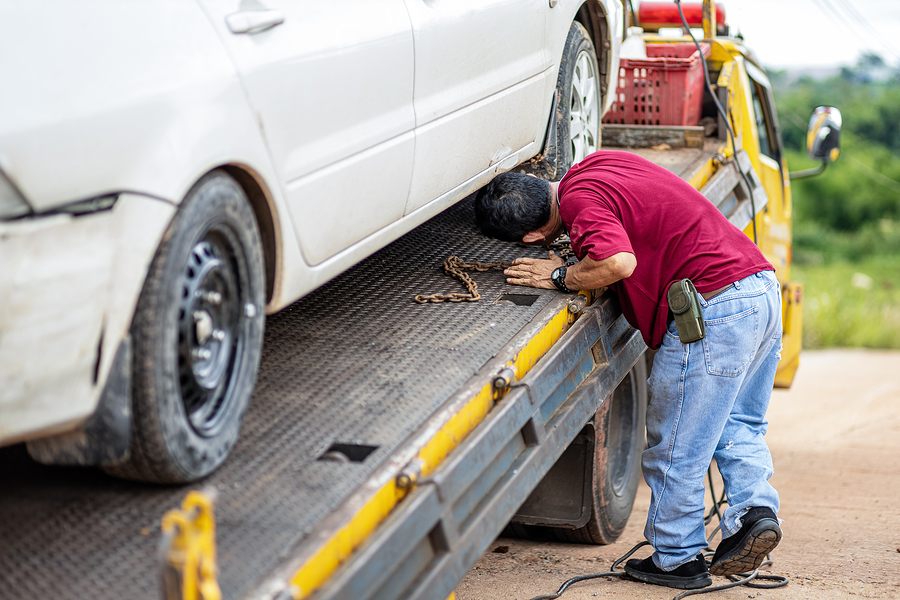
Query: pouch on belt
[{"x": 684, "y": 301}]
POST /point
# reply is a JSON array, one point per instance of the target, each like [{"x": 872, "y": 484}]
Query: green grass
[
  {"x": 817, "y": 244},
  {"x": 850, "y": 303}
]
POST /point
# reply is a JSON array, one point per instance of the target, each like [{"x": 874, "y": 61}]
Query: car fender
[
  {"x": 135, "y": 101},
  {"x": 129, "y": 97},
  {"x": 69, "y": 287}
]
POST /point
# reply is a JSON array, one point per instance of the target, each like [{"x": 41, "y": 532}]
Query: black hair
[{"x": 511, "y": 205}]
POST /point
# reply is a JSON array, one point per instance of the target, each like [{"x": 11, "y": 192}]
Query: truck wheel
[
  {"x": 197, "y": 333},
  {"x": 578, "y": 97},
  {"x": 618, "y": 442}
]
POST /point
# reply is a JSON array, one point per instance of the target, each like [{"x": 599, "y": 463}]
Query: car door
[
  {"x": 481, "y": 82},
  {"x": 332, "y": 84}
]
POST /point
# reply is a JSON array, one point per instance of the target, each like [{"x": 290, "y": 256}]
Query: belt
[{"x": 710, "y": 295}]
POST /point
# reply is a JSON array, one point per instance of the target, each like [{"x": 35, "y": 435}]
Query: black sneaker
[
  {"x": 744, "y": 551},
  {"x": 689, "y": 576}
]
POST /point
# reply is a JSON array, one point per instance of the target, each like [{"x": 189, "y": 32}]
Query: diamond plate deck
[{"x": 355, "y": 362}]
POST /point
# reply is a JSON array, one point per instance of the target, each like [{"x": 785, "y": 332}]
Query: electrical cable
[
  {"x": 847, "y": 16},
  {"x": 866, "y": 25},
  {"x": 724, "y": 116},
  {"x": 750, "y": 580}
]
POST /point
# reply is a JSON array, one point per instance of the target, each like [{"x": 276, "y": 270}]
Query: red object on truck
[
  {"x": 666, "y": 88},
  {"x": 655, "y": 15}
]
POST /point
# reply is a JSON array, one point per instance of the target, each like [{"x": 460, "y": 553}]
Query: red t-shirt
[{"x": 615, "y": 202}]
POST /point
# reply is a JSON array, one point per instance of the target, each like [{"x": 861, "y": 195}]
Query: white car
[{"x": 171, "y": 171}]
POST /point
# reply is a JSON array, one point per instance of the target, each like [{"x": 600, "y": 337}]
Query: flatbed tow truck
[{"x": 388, "y": 442}]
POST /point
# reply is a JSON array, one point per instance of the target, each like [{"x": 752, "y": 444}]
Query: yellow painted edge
[
  {"x": 314, "y": 573},
  {"x": 456, "y": 429},
  {"x": 309, "y": 577},
  {"x": 699, "y": 179},
  {"x": 792, "y": 340}
]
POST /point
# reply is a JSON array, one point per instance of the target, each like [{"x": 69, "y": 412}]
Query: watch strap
[{"x": 558, "y": 277}]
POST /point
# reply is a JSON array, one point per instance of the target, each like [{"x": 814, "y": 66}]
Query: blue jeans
[{"x": 708, "y": 399}]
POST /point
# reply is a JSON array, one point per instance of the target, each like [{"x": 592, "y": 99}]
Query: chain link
[
  {"x": 563, "y": 247},
  {"x": 454, "y": 266}
]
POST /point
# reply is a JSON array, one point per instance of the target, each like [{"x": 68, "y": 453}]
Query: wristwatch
[{"x": 558, "y": 277}]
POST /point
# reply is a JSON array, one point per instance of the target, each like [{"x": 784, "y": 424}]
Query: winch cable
[
  {"x": 721, "y": 111},
  {"x": 750, "y": 580}
]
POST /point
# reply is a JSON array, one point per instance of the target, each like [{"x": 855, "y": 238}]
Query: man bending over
[{"x": 639, "y": 229}]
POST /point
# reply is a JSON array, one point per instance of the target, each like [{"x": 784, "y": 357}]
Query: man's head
[{"x": 512, "y": 205}]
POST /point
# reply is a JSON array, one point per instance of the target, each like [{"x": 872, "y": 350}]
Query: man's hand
[
  {"x": 534, "y": 272},
  {"x": 586, "y": 274}
]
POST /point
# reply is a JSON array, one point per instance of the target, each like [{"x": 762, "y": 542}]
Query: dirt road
[{"x": 835, "y": 439}]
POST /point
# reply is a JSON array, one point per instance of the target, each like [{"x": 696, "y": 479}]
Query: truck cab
[{"x": 724, "y": 137}]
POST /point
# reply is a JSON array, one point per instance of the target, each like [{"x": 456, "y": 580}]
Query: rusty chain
[
  {"x": 456, "y": 267},
  {"x": 563, "y": 247}
]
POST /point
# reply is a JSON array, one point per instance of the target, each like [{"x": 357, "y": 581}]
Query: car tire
[
  {"x": 578, "y": 98},
  {"x": 197, "y": 334},
  {"x": 619, "y": 439},
  {"x": 574, "y": 131}
]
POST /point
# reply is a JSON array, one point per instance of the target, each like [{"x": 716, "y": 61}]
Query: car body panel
[
  {"x": 116, "y": 96},
  {"x": 151, "y": 117},
  {"x": 140, "y": 100},
  {"x": 69, "y": 289},
  {"x": 305, "y": 79},
  {"x": 296, "y": 283},
  {"x": 473, "y": 53}
]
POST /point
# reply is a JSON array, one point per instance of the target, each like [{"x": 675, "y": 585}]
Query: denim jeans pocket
[
  {"x": 731, "y": 342},
  {"x": 672, "y": 330}
]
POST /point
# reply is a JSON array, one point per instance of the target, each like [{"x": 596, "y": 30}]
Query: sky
[{"x": 817, "y": 33}]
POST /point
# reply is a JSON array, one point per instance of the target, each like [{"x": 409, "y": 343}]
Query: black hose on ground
[{"x": 751, "y": 580}]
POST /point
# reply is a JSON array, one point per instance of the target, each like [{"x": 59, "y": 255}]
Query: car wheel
[
  {"x": 578, "y": 90},
  {"x": 197, "y": 334},
  {"x": 574, "y": 131},
  {"x": 618, "y": 442}
]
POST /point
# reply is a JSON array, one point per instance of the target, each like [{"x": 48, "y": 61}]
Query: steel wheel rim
[
  {"x": 584, "y": 109},
  {"x": 621, "y": 434},
  {"x": 209, "y": 330}
]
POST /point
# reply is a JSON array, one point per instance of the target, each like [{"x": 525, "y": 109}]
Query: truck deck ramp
[
  {"x": 358, "y": 367},
  {"x": 355, "y": 364}
]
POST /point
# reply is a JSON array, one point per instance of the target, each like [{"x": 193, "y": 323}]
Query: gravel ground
[{"x": 835, "y": 439}]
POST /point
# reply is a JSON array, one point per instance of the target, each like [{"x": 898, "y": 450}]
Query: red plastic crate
[{"x": 666, "y": 88}]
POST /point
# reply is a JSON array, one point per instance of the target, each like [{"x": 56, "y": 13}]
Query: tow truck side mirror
[{"x": 823, "y": 139}]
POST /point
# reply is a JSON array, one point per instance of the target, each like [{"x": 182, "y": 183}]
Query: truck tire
[
  {"x": 616, "y": 434},
  {"x": 619, "y": 439},
  {"x": 197, "y": 334}
]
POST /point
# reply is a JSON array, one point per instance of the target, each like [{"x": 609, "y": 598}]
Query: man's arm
[{"x": 586, "y": 274}]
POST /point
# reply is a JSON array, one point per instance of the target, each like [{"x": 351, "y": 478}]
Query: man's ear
[{"x": 532, "y": 237}]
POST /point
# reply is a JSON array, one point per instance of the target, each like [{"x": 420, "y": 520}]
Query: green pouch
[{"x": 684, "y": 301}]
